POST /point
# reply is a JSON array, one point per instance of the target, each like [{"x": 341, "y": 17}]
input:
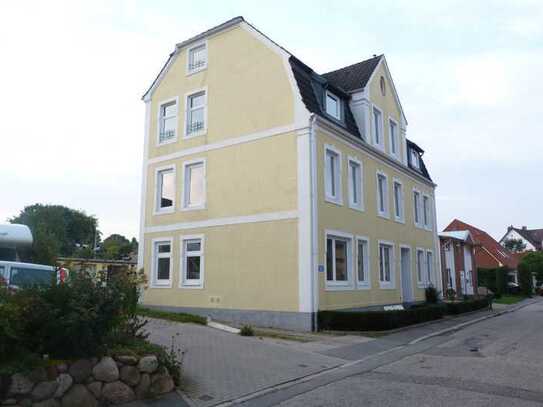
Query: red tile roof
[{"x": 496, "y": 250}]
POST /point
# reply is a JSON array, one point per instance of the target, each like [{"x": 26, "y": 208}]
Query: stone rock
[
  {"x": 44, "y": 390},
  {"x": 127, "y": 360},
  {"x": 142, "y": 389},
  {"x": 96, "y": 389},
  {"x": 161, "y": 384},
  {"x": 52, "y": 372},
  {"x": 64, "y": 381},
  {"x": 117, "y": 393},
  {"x": 79, "y": 396},
  {"x": 20, "y": 385},
  {"x": 106, "y": 370},
  {"x": 62, "y": 368},
  {"x": 80, "y": 370},
  {"x": 130, "y": 375},
  {"x": 38, "y": 375},
  {"x": 9, "y": 402},
  {"x": 90, "y": 379},
  {"x": 94, "y": 361},
  {"x": 148, "y": 364},
  {"x": 47, "y": 403},
  {"x": 25, "y": 403}
]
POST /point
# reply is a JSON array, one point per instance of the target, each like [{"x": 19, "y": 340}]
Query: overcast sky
[{"x": 469, "y": 75}]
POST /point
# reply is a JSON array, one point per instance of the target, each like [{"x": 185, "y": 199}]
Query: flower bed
[{"x": 89, "y": 382}]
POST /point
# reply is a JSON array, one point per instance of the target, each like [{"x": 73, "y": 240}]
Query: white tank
[{"x": 13, "y": 236}]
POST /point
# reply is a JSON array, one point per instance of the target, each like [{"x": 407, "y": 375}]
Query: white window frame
[
  {"x": 338, "y": 199},
  {"x": 203, "y": 131},
  {"x": 421, "y": 283},
  {"x": 387, "y": 285},
  {"x": 184, "y": 282},
  {"x": 365, "y": 284},
  {"x": 360, "y": 204},
  {"x": 155, "y": 283},
  {"x": 159, "y": 121},
  {"x": 417, "y": 207},
  {"x": 429, "y": 269},
  {"x": 386, "y": 202},
  {"x": 334, "y": 284},
  {"x": 426, "y": 212},
  {"x": 336, "y": 116},
  {"x": 189, "y": 50},
  {"x": 415, "y": 158},
  {"x": 157, "y": 209},
  {"x": 391, "y": 123},
  {"x": 186, "y": 185},
  {"x": 401, "y": 207},
  {"x": 380, "y": 145}
]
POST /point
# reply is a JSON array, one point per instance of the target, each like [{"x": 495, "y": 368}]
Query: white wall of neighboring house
[{"x": 513, "y": 234}]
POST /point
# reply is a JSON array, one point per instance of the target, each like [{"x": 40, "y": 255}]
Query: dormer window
[
  {"x": 333, "y": 105},
  {"x": 415, "y": 159}
]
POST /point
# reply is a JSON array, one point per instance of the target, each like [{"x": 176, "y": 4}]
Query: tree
[
  {"x": 57, "y": 230},
  {"x": 514, "y": 245},
  {"x": 117, "y": 247},
  {"x": 530, "y": 265}
]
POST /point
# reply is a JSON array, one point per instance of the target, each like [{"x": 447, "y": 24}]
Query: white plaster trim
[
  {"x": 386, "y": 201},
  {"x": 143, "y": 193},
  {"x": 184, "y": 189},
  {"x": 234, "y": 220},
  {"x": 183, "y": 282},
  {"x": 154, "y": 281},
  {"x": 158, "y": 121},
  {"x": 275, "y": 131},
  {"x": 401, "y": 218},
  {"x": 201, "y": 68},
  {"x": 340, "y": 285},
  {"x": 338, "y": 199},
  {"x": 366, "y": 284},
  {"x": 162, "y": 211},
  {"x": 315, "y": 280},
  {"x": 202, "y": 132},
  {"x": 386, "y": 285},
  {"x": 360, "y": 205}
]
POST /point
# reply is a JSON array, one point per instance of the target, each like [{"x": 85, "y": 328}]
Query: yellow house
[{"x": 270, "y": 192}]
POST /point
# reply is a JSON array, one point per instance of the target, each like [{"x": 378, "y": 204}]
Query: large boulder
[
  {"x": 142, "y": 389},
  {"x": 148, "y": 364},
  {"x": 130, "y": 375},
  {"x": 47, "y": 403},
  {"x": 127, "y": 359},
  {"x": 80, "y": 370},
  {"x": 161, "y": 383},
  {"x": 96, "y": 389},
  {"x": 20, "y": 385},
  {"x": 44, "y": 390},
  {"x": 64, "y": 381},
  {"x": 106, "y": 370},
  {"x": 79, "y": 396},
  {"x": 117, "y": 393}
]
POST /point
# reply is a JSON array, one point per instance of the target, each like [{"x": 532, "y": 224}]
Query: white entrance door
[
  {"x": 469, "y": 272},
  {"x": 405, "y": 265}
]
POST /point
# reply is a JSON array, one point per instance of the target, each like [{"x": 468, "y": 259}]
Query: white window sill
[
  {"x": 193, "y": 208},
  {"x": 161, "y": 285},
  {"x": 196, "y": 70},
  {"x": 383, "y": 215},
  {"x": 334, "y": 201},
  {"x": 399, "y": 220},
  {"x": 422, "y": 285},
  {"x": 386, "y": 286},
  {"x": 198, "y": 286},
  {"x": 338, "y": 287},
  {"x": 363, "y": 286},
  {"x": 166, "y": 142},
  {"x": 164, "y": 211},
  {"x": 358, "y": 208},
  {"x": 194, "y": 135}
]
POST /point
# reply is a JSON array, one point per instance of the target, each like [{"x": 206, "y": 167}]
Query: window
[
  {"x": 416, "y": 207},
  {"x": 386, "y": 263},
  {"x": 165, "y": 190},
  {"x": 429, "y": 266},
  {"x": 394, "y": 143},
  {"x": 378, "y": 127},
  {"x": 167, "y": 122},
  {"x": 415, "y": 159},
  {"x": 197, "y": 58},
  {"x": 162, "y": 262},
  {"x": 194, "y": 189},
  {"x": 338, "y": 259},
  {"x": 420, "y": 267},
  {"x": 382, "y": 195},
  {"x": 356, "y": 195},
  {"x": 362, "y": 263},
  {"x": 333, "y": 175},
  {"x": 382, "y": 85},
  {"x": 398, "y": 201},
  {"x": 426, "y": 212},
  {"x": 192, "y": 249},
  {"x": 333, "y": 105},
  {"x": 196, "y": 114}
]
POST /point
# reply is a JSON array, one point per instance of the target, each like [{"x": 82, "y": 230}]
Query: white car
[{"x": 17, "y": 275}]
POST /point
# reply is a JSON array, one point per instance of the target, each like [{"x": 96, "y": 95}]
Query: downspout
[{"x": 314, "y": 223}]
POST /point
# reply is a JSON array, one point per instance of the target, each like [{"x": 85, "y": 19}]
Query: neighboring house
[
  {"x": 489, "y": 254},
  {"x": 532, "y": 238},
  {"x": 97, "y": 265},
  {"x": 271, "y": 192},
  {"x": 458, "y": 262}
]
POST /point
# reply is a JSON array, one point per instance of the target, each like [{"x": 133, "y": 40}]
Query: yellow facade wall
[
  {"x": 367, "y": 223},
  {"x": 251, "y": 266},
  {"x": 248, "y": 90}
]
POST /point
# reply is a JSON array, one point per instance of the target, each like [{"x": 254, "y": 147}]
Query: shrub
[
  {"x": 455, "y": 308},
  {"x": 431, "y": 294},
  {"x": 450, "y": 294},
  {"x": 378, "y": 320},
  {"x": 247, "y": 330},
  {"x": 493, "y": 279}
]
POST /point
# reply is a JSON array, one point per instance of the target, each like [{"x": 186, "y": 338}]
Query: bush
[
  {"x": 493, "y": 279},
  {"x": 455, "y": 308},
  {"x": 378, "y": 320},
  {"x": 431, "y": 294},
  {"x": 247, "y": 330}
]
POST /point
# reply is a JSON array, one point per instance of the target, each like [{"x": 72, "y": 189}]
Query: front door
[
  {"x": 469, "y": 271},
  {"x": 405, "y": 265}
]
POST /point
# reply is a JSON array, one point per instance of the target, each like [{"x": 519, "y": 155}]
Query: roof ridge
[{"x": 356, "y": 63}]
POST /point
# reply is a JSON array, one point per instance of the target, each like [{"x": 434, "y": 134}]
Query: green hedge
[
  {"x": 493, "y": 279},
  {"x": 455, "y": 308},
  {"x": 378, "y": 320}
]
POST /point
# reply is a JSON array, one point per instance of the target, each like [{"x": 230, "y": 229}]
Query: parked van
[
  {"x": 17, "y": 275},
  {"x": 12, "y": 238}
]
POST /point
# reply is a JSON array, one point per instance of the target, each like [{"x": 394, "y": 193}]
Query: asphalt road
[{"x": 496, "y": 362}]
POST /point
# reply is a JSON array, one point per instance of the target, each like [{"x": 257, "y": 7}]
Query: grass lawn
[
  {"x": 171, "y": 316},
  {"x": 509, "y": 299}
]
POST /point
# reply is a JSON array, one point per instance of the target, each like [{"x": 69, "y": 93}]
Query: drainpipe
[{"x": 314, "y": 222}]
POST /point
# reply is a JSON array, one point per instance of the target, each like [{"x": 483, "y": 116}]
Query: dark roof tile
[{"x": 354, "y": 76}]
